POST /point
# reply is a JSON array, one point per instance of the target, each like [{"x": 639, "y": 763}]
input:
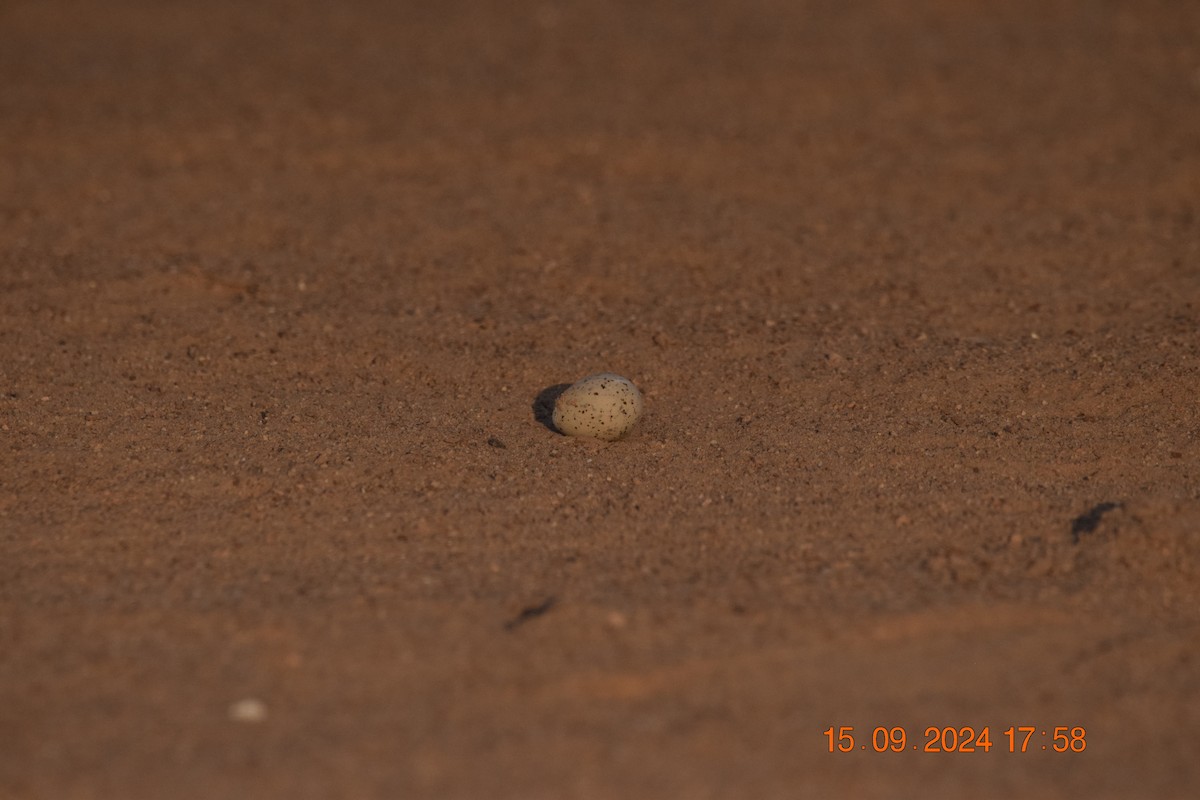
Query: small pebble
[
  {"x": 249, "y": 710},
  {"x": 603, "y": 406}
]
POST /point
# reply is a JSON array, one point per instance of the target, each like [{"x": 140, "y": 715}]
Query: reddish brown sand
[{"x": 909, "y": 287}]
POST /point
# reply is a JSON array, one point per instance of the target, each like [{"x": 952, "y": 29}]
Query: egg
[{"x": 603, "y": 406}]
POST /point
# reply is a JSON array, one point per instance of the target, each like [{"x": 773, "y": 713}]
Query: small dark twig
[
  {"x": 1086, "y": 523},
  {"x": 531, "y": 612}
]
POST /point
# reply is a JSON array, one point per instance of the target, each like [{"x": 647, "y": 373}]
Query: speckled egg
[{"x": 603, "y": 406}]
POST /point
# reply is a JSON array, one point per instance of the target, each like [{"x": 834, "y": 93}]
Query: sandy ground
[{"x": 910, "y": 289}]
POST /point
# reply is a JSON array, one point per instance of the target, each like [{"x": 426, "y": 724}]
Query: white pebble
[
  {"x": 249, "y": 710},
  {"x": 603, "y": 406}
]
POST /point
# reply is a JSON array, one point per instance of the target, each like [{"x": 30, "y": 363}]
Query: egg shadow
[{"x": 543, "y": 405}]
